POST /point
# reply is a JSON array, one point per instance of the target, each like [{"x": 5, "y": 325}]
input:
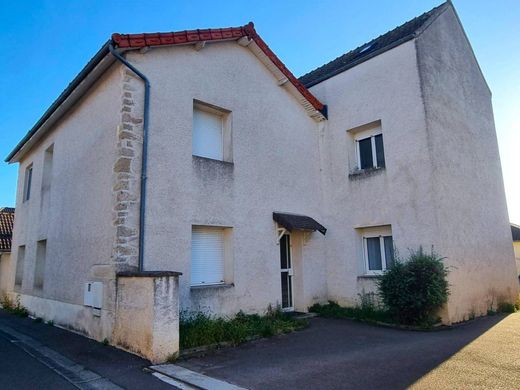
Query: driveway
[{"x": 342, "y": 354}]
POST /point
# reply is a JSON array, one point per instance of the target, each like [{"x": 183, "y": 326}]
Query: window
[
  {"x": 20, "y": 260},
  {"x": 211, "y": 132},
  {"x": 27, "y": 183},
  {"x": 47, "y": 168},
  {"x": 39, "y": 268},
  {"x": 378, "y": 249},
  {"x": 370, "y": 151},
  {"x": 207, "y": 255}
]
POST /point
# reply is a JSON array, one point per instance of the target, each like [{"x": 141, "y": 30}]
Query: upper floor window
[
  {"x": 370, "y": 150},
  {"x": 27, "y": 183},
  {"x": 47, "y": 168},
  {"x": 211, "y": 132},
  {"x": 378, "y": 249}
]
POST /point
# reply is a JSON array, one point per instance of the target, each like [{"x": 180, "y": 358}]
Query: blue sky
[{"x": 46, "y": 43}]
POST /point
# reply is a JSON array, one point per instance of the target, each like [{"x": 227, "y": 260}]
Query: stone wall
[{"x": 127, "y": 170}]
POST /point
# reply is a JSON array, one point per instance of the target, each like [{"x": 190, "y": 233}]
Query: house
[
  {"x": 193, "y": 170},
  {"x": 515, "y": 230},
  {"x": 6, "y": 234}
]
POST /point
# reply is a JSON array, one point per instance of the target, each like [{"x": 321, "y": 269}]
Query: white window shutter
[
  {"x": 207, "y": 135},
  {"x": 207, "y": 255}
]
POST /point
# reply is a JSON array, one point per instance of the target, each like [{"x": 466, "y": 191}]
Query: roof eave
[{"x": 74, "y": 91}]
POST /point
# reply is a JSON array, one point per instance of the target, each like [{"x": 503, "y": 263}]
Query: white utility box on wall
[{"x": 93, "y": 295}]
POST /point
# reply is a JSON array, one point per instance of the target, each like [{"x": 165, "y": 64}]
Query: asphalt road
[
  {"x": 342, "y": 354},
  {"x": 18, "y": 370}
]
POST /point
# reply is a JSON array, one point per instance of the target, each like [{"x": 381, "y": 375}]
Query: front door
[{"x": 286, "y": 272}]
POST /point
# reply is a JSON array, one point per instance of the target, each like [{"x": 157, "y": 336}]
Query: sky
[{"x": 46, "y": 43}]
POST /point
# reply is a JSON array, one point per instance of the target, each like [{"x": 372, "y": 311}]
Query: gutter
[{"x": 144, "y": 155}]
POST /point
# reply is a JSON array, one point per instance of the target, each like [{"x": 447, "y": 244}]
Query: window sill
[
  {"x": 362, "y": 173},
  {"x": 374, "y": 276},
  {"x": 212, "y": 286},
  {"x": 211, "y": 160}
]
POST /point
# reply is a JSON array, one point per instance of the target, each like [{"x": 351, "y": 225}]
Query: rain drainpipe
[{"x": 144, "y": 156}]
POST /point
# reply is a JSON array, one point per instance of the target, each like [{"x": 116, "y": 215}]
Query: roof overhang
[
  {"x": 245, "y": 36},
  {"x": 298, "y": 222},
  {"x": 74, "y": 91},
  {"x": 102, "y": 60}
]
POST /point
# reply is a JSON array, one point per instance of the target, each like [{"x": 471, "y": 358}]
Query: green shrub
[
  {"x": 13, "y": 307},
  {"x": 415, "y": 289},
  {"x": 200, "y": 329},
  {"x": 505, "y": 307}
]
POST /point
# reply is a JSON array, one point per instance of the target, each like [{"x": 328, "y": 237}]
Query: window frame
[
  {"x": 225, "y": 152},
  {"x": 27, "y": 183},
  {"x": 226, "y": 232},
  {"x": 376, "y": 232},
  {"x": 370, "y": 134}
]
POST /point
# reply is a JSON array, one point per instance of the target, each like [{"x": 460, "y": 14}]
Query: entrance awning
[{"x": 298, "y": 222}]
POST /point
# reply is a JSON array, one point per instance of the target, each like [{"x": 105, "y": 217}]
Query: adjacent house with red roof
[
  {"x": 6, "y": 235},
  {"x": 193, "y": 170}
]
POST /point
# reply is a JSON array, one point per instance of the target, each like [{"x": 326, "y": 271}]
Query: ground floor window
[
  {"x": 207, "y": 255},
  {"x": 378, "y": 249}
]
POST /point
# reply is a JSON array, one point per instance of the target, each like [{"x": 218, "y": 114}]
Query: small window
[
  {"x": 211, "y": 132},
  {"x": 207, "y": 255},
  {"x": 20, "y": 261},
  {"x": 47, "y": 168},
  {"x": 39, "y": 268},
  {"x": 27, "y": 183},
  {"x": 378, "y": 249},
  {"x": 370, "y": 151}
]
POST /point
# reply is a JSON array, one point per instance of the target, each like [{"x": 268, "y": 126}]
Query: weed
[
  {"x": 38, "y": 320},
  {"x": 198, "y": 329},
  {"x": 362, "y": 312},
  {"x": 105, "y": 341},
  {"x": 506, "y": 307},
  {"x": 13, "y": 307},
  {"x": 50, "y": 322}
]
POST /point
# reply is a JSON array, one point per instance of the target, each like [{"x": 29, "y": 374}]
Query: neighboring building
[
  {"x": 515, "y": 230},
  {"x": 6, "y": 234},
  {"x": 260, "y": 188}
]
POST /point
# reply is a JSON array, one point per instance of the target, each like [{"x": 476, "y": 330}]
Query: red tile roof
[
  {"x": 218, "y": 34},
  {"x": 6, "y": 228}
]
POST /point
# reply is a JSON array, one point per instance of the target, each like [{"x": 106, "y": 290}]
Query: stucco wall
[
  {"x": 275, "y": 167},
  {"x": 74, "y": 215},
  {"x": 384, "y": 88},
  {"x": 471, "y": 221}
]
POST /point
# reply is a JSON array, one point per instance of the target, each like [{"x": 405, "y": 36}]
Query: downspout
[{"x": 144, "y": 156}]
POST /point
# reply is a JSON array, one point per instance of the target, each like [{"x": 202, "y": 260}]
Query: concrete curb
[{"x": 192, "y": 378}]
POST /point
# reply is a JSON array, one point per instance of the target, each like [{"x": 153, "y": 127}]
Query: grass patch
[
  {"x": 363, "y": 312},
  {"x": 13, "y": 307},
  {"x": 200, "y": 329}
]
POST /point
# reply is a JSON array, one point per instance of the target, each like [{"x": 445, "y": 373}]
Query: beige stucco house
[{"x": 198, "y": 152}]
